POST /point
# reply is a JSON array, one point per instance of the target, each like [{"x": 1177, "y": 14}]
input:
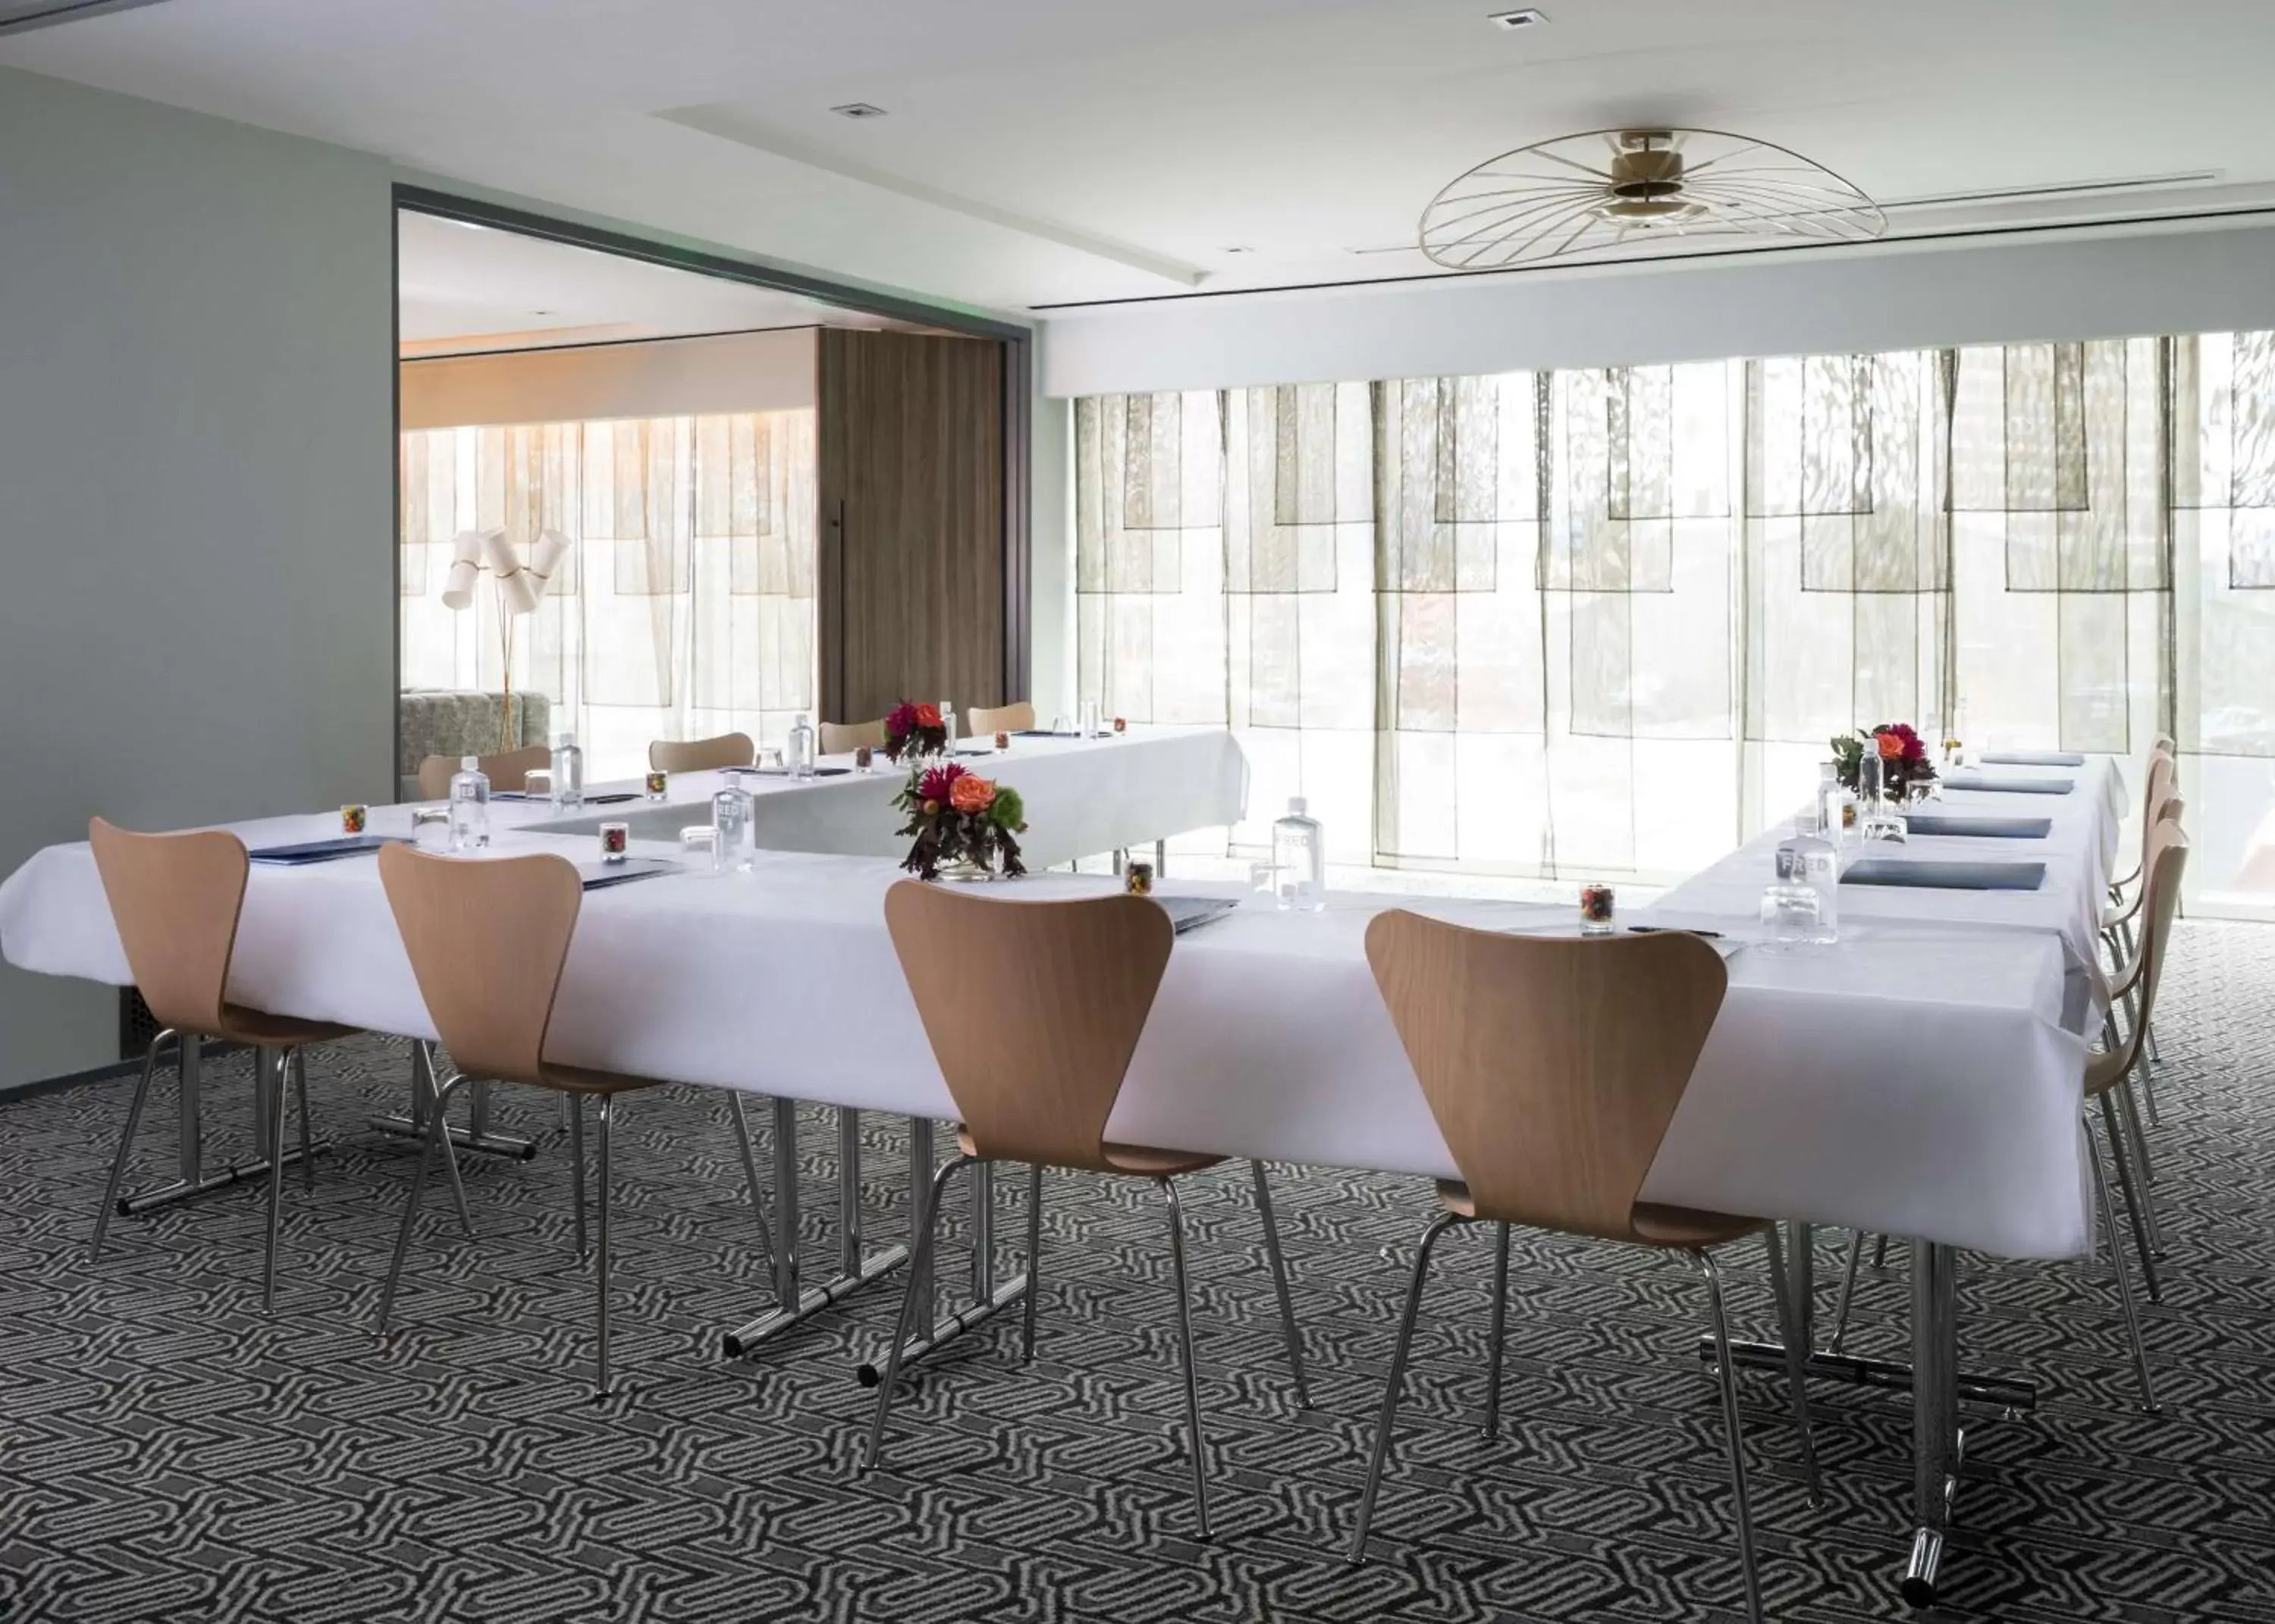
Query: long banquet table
[{"x": 1916, "y": 1079}]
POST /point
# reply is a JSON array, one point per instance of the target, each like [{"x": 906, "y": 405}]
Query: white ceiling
[
  {"x": 1046, "y": 151},
  {"x": 465, "y": 288}
]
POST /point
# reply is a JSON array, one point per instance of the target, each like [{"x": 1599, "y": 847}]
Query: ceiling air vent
[{"x": 22, "y": 16}]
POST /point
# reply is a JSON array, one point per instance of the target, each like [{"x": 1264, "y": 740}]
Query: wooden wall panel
[{"x": 910, "y": 486}]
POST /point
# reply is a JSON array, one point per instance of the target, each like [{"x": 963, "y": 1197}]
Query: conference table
[{"x": 1921, "y": 1077}]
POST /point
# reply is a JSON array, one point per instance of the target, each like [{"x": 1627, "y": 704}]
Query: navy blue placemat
[
  {"x": 2012, "y": 786},
  {"x": 2031, "y": 758},
  {"x": 598, "y": 876},
  {"x": 1945, "y": 876},
  {"x": 1979, "y": 829},
  {"x": 784, "y": 772},
  {"x": 324, "y": 851},
  {"x": 1047, "y": 733}
]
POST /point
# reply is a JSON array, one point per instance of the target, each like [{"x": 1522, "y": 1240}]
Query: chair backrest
[
  {"x": 504, "y": 771},
  {"x": 699, "y": 755},
  {"x": 2174, "y": 808},
  {"x": 2162, "y": 865},
  {"x": 1552, "y": 1066},
  {"x": 1033, "y": 1010},
  {"x": 487, "y": 939},
  {"x": 175, "y": 899},
  {"x": 1017, "y": 717},
  {"x": 2164, "y": 780},
  {"x": 840, "y": 738}
]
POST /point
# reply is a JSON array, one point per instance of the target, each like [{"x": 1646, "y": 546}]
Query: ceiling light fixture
[
  {"x": 1530, "y": 17},
  {"x": 858, "y": 109},
  {"x": 1582, "y": 194}
]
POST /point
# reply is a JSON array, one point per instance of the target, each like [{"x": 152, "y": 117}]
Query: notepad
[
  {"x": 324, "y": 851},
  {"x": 598, "y": 876},
  {"x": 1979, "y": 829},
  {"x": 2031, "y": 758},
  {"x": 1945, "y": 876},
  {"x": 1189, "y": 913},
  {"x": 2012, "y": 786}
]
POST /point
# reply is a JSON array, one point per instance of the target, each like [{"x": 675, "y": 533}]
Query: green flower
[{"x": 1008, "y": 812}]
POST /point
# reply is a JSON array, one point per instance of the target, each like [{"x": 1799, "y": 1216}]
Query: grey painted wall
[{"x": 197, "y": 608}]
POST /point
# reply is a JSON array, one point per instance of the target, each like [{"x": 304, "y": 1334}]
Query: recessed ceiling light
[
  {"x": 858, "y": 109},
  {"x": 1530, "y": 17}
]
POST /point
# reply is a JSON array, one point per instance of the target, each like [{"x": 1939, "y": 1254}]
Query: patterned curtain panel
[{"x": 685, "y": 606}]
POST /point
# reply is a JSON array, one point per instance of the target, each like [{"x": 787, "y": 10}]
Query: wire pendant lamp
[{"x": 1583, "y": 195}]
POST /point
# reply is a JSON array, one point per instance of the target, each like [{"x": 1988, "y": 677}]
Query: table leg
[
  {"x": 475, "y": 1136},
  {"x": 796, "y": 1302},
  {"x": 194, "y": 1180},
  {"x": 932, "y": 1331}
]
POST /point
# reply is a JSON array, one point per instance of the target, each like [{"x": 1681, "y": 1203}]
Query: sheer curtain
[
  {"x": 685, "y": 606},
  {"x": 1606, "y": 621}
]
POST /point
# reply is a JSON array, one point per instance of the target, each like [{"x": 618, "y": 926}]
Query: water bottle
[
  {"x": 730, "y": 816},
  {"x": 1817, "y": 864},
  {"x": 1836, "y": 805},
  {"x": 1299, "y": 859},
  {"x": 568, "y": 772},
  {"x": 470, "y": 805},
  {"x": 948, "y": 722},
  {"x": 801, "y": 747}
]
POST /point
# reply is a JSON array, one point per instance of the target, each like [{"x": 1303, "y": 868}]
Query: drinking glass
[
  {"x": 770, "y": 759},
  {"x": 1060, "y": 724},
  {"x": 537, "y": 784},
  {"x": 699, "y": 843},
  {"x": 430, "y": 828},
  {"x": 1789, "y": 913}
]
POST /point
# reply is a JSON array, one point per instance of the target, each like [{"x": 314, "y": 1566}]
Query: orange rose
[
  {"x": 972, "y": 794},
  {"x": 927, "y": 715},
  {"x": 1891, "y": 747}
]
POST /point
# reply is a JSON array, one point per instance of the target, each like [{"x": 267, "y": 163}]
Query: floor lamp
[{"x": 519, "y": 588}]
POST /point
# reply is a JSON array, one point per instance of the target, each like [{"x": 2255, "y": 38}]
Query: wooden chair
[
  {"x": 1553, "y": 1068},
  {"x": 505, "y": 771},
  {"x": 1018, "y": 717},
  {"x": 1034, "y": 1010},
  {"x": 176, "y": 900},
  {"x": 840, "y": 738},
  {"x": 487, "y": 941},
  {"x": 701, "y": 755}
]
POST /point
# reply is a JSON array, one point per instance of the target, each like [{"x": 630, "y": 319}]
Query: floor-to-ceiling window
[{"x": 1606, "y": 620}]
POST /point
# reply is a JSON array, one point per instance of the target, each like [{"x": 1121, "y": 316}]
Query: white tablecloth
[
  {"x": 1908, "y": 1081},
  {"x": 1082, "y": 796}
]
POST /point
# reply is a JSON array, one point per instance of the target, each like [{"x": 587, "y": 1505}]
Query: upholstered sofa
[{"x": 460, "y": 723}]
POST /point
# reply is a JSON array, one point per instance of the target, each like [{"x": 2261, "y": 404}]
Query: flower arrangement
[
  {"x": 1905, "y": 769},
  {"x": 961, "y": 821},
  {"x": 914, "y": 729}
]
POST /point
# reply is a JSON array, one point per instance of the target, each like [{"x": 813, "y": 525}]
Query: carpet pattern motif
[{"x": 168, "y": 1453}]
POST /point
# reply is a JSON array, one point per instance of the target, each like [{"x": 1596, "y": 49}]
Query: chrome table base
[
  {"x": 194, "y": 1180},
  {"x": 1933, "y": 1377},
  {"x": 475, "y": 1136}
]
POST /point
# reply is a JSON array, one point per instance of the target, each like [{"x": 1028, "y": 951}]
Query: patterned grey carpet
[{"x": 168, "y": 1453}]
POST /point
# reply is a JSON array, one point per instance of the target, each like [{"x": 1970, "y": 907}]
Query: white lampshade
[
  {"x": 465, "y": 566},
  {"x": 514, "y": 585},
  {"x": 545, "y": 558}
]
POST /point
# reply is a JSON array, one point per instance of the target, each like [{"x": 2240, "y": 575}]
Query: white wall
[
  {"x": 196, "y": 488},
  {"x": 2193, "y": 280},
  {"x": 770, "y": 371}
]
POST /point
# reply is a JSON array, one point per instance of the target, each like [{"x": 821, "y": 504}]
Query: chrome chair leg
[
  {"x": 1034, "y": 1263},
  {"x": 2137, "y": 1142},
  {"x": 300, "y": 1102},
  {"x": 1279, "y": 1286},
  {"x": 2117, "y": 1265},
  {"x": 576, "y": 1107},
  {"x": 1193, "y": 1445},
  {"x": 920, "y": 1275},
  {"x": 1498, "y": 1332},
  {"x": 449, "y": 1149},
  {"x": 600, "y": 1273},
  {"x": 126, "y": 1138},
  {"x": 2133, "y": 1213},
  {"x": 1847, "y": 1290},
  {"x": 435, "y": 1133},
  {"x": 1881, "y": 1255},
  {"x": 272, "y": 1065},
  {"x": 1736, "y": 1445},
  {"x": 751, "y": 1174},
  {"x": 1389, "y": 1417},
  {"x": 1796, "y": 1356}
]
